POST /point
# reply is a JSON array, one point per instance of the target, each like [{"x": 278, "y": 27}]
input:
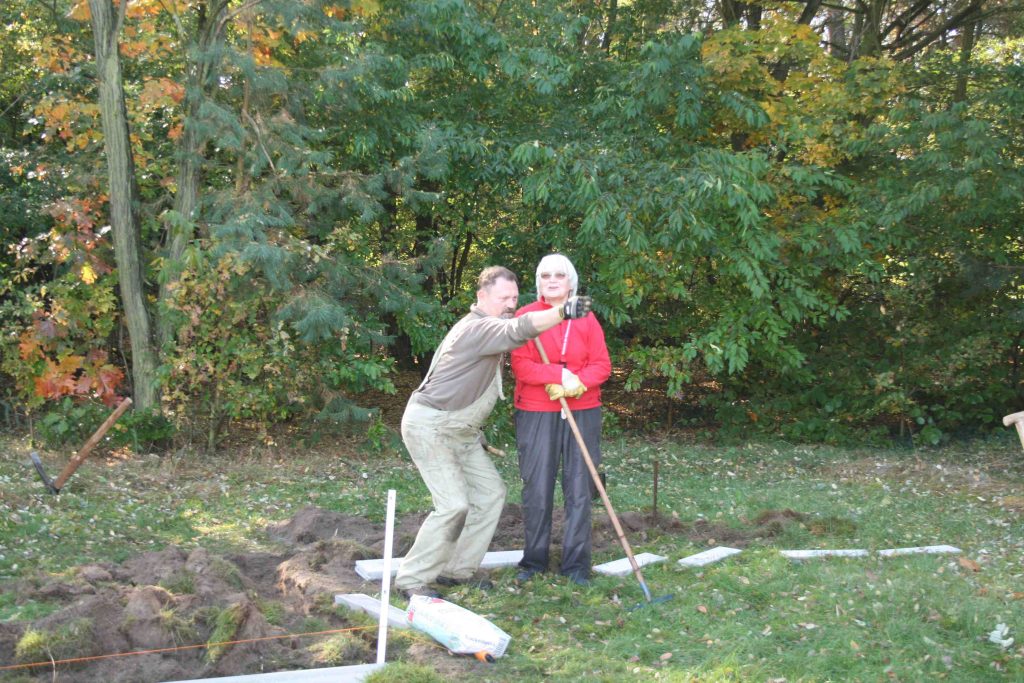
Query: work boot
[
  {"x": 526, "y": 574},
  {"x": 579, "y": 578},
  {"x": 426, "y": 591},
  {"x": 451, "y": 582}
]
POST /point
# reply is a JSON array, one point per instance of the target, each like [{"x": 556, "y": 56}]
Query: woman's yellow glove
[{"x": 555, "y": 391}]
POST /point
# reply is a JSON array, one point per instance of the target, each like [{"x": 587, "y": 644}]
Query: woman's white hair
[{"x": 557, "y": 263}]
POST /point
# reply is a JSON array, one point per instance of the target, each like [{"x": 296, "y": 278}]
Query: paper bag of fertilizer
[{"x": 458, "y": 629}]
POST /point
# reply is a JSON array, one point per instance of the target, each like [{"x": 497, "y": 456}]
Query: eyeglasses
[{"x": 552, "y": 276}]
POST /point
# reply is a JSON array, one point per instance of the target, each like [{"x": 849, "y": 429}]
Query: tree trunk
[
  {"x": 124, "y": 200},
  {"x": 836, "y": 25},
  {"x": 871, "y": 38},
  {"x": 180, "y": 224},
  {"x": 966, "y": 47},
  {"x": 613, "y": 12}
]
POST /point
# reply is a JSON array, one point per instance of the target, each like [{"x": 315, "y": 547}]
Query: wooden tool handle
[
  {"x": 597, "y": 482},
  {"x": 80, "y": 457}
]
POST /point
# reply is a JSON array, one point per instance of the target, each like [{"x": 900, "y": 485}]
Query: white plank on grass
[
  {"x": 624, "y": 568},
  {"x": 708, "y": 556},
  {"x": 371, "y": 605},
  {"x": 925, "y": 550},
  {"x": 501, "y": 558},
  {"x": 808, "y": 554},
  {"x": 373, "y": 570},
  {"x": 331, "y": 674}
]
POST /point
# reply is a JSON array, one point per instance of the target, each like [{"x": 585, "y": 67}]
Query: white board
[
  {"x": 808, "y": 554},
  {"x": 332, "y": 674},
  {"x": 921, "y": 550},
  {"x": 624, "y": 568},
  {"x": 371, "y": 605},
  {"x": 373, "y": 570},
  {"x": 708, "y": 556}
]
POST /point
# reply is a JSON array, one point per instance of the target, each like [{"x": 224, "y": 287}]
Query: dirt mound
[
  {"x": 177, "y": 597},
  {"x": 170, "y": 598},
  {"x": 311, "y": 524},
  {"x": 637, "y": 527},
  {"x": 766, "y": 525},
  {"x": 323, "y": 568}
]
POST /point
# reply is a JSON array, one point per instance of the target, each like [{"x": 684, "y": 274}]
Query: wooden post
[
  {"x": 80, "y": 457},
  {"x": 654, "y": 504}
]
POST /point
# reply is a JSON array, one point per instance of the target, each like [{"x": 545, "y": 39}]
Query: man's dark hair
[{"x": 492, "y": 274}]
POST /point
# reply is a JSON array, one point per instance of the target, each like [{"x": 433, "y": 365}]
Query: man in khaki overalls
[{"x": 441, "y": 428}]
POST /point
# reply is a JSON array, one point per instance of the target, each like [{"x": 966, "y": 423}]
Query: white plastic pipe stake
[{"x": 385, "y": 586}]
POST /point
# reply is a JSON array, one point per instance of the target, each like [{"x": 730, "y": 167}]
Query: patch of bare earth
[{"x": 167, "y": 602}]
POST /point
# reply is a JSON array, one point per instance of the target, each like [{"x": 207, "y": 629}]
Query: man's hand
[{"x": 576, "y": 307}]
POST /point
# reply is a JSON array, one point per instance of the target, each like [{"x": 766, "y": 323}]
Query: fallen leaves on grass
[
  {"x": 1013, "y": 502},
  {"x": 968, "y": 563}
]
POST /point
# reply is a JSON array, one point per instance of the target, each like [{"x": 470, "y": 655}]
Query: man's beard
[{"x": 508, "y": 313}]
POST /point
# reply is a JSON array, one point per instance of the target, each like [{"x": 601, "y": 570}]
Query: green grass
[{"x": 756, "y": 616}]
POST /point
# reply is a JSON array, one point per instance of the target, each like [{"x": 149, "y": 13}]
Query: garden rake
[{"x": 604, "y": 494}]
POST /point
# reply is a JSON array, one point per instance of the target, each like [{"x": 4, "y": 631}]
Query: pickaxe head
[{"x": 42, "y": 473}]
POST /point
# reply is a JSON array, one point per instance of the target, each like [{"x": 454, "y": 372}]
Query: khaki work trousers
[{"x": 467, "y": 491}]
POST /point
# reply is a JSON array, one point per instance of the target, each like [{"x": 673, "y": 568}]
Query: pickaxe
[{"x": 69, "y": 469}]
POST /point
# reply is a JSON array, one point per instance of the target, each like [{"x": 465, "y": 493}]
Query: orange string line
[{"x": 180, "y": 647}]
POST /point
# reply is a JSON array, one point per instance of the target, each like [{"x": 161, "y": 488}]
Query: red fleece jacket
[{"x": 585, "y": 354}]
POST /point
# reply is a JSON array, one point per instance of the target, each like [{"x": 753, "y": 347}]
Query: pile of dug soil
[{"x": 177, "y": 598}]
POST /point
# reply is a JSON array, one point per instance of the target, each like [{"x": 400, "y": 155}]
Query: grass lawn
[{"x": 755, "y": 616}]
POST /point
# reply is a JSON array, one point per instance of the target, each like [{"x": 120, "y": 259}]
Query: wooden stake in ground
[
  {"x": 1017, "y": 420},
  {"x": 654, "y": 499}
]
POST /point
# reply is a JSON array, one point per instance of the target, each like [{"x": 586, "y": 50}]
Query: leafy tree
[{"x": 806, "y": 211}]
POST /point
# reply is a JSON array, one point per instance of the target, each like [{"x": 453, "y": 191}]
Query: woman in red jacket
[{"x": 579, "y": 365}]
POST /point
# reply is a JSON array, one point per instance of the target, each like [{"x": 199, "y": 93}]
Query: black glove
[{"x": 577, "y": 307}]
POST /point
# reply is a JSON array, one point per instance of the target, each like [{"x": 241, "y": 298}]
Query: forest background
[{"x": 799, "y": 219}]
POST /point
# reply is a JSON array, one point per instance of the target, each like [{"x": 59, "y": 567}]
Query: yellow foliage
[
  {"x": 55, "y": 53},
  {"x": 80, "y": 11},
  {"x": 806, "y": 95},
  {"x": 150, "y": 8},
  {"x": 365, "y": 8},
  {"x": 161, "y": 92}
]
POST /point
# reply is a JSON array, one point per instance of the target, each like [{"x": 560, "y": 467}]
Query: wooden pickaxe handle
[
  {"x": 1017, "y": 420},
  {"x": 80, "y": 457}
]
